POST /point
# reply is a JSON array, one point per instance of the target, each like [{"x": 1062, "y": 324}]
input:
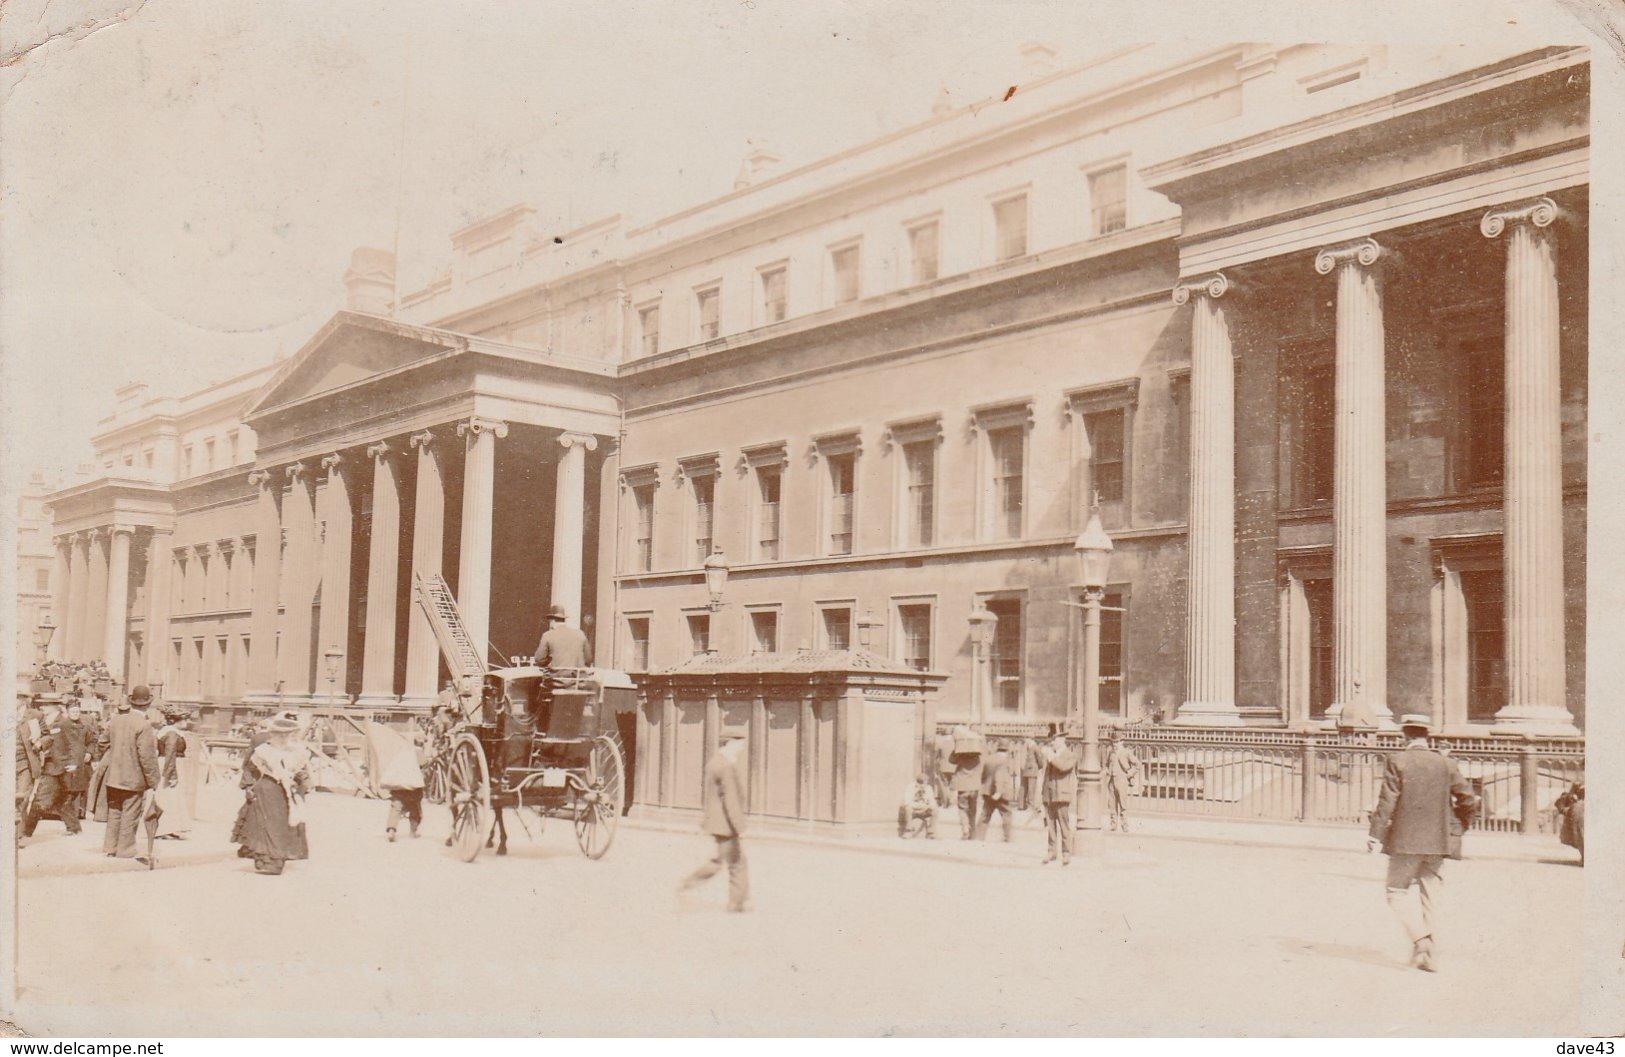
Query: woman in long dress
[{"x": 269, "y": 829}]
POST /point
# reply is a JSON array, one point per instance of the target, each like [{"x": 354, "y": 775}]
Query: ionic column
[
  {"x": 383, "y": 561},
  {"x": 78, "y": 596},
  {"x": 158, "y": 546},
  {"x": 428, "y": 546},
  {"x": 339, "y": 517},
  {"x": 1210, "y": 638},
  {"x": 1532, "y": 543},
  {"x": 96, "y": 599},
  {"x": 262, "y": 621},
  {"x": 116, "y": 633},
  {"x": 570, "y": 522},
  {"x": 474, "y": 558},
  {"x": 1359, "y": 491},
  {"x": 294, "y": 667},
  {"x": 61, "y": 596}
]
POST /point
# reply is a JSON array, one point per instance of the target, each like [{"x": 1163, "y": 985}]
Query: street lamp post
[
  {"x": 1094, "y": 550},
  {"x": 334, "y": 656},
  {"x": 42, "y": 638},
  {"x": 716, "y": 581},
  {"x": 982, "y": 622}
]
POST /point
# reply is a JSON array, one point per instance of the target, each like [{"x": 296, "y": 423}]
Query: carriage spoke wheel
[
  {"x": 469, "y": 793},
  {"x": 598, "y": 807},
  {"x": 435, "y": 781}
]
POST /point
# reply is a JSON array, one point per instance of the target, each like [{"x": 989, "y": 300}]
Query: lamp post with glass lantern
[
  {"x": 982, "y": 623},
  {"x": 1094, "y": 549},
  {"x": 42, "y": 638},
  {"x": 716, "y": 581}
]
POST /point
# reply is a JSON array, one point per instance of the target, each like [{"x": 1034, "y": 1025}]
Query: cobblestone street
[{"x": 1141, "y": 934}]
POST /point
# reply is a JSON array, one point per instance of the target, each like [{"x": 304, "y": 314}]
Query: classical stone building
[{"x": 1307, "y": 322}]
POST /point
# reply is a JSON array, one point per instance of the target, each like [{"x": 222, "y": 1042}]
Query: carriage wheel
[
  {"x": 469, "y": 792},
  {"x": 598, "y": 809},
  {"x": 435, "y": 782}
]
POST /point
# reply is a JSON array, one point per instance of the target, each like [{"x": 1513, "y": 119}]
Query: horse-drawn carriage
[{"x": 535, "y": 741}]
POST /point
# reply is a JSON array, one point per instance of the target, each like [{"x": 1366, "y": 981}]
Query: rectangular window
[
  {"x": 699, "y": 633},
  {"x": 1483, "y": 593},
  {"x": 1007, "y": 654},
  {"x": 1006, "y": 448},
  {"x": 1108, "y": 200},
  {"x": 922, "y": 251},
  {"x": 649, "y": 329},
  {"x": 208, "y": 455},
  {"x": 705, "y": 490},
  {"x": 1105, "y": 429},
  {"x": 842, "y": 485},
  {"x": 1010, "y": 228},
  {"x": 764, "y": 631},
  {"x": 148, "y": 457},
  {"x": 129, "y": 460},
  {"x": 767, "y": 513},
  {"x": 920, "y": 459},
  {"x": 637, "y": 629},
  {"x": 1481, "y": 457},
  {"x": 837, "y": 621},
  {"x": 773, "y": 295},
  {"x": 643, "y": 535},
  {"x": 42, "y": 579},
  {"x": 1111, "y": 654},
  {"x": 914, "y": 624},
  {"x": 708, "y": 307},
  {"x": 186, "y": 460},
  {"x": 844, "y": 268},
  {"x": 1317, "y": 595},
  {"x": 1306, "y": 422},
  {"x": 232, "y": 442}
]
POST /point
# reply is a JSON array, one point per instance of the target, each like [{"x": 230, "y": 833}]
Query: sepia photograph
[{"x": 852, "y": 519}]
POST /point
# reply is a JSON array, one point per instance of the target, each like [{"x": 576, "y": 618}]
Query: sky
[{"x": 182, "y": 181}]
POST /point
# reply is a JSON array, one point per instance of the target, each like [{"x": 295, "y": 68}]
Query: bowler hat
[
  {"x": 1415, "y": 721},
  {"x": 141, "y": 695},
  {"x": 556, "y": 612}
]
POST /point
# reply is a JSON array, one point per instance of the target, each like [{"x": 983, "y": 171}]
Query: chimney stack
[
  {"x": 1037, "y": 60},
  {"x": 760, "y": 160},
  {"x": 369, "y": 282}
]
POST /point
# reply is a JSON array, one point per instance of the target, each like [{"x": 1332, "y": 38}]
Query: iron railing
[{"x": 1327, "y": 777}]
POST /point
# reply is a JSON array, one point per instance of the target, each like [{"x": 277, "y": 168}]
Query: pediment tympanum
[{"x": 350, "y": 349}]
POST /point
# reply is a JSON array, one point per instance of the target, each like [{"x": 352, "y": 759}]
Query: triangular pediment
[{"x": 350, "y": 349}]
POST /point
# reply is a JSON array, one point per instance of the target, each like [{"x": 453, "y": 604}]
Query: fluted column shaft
[
  {"x": 93, "y": 632},
  {"x": 338, "y": 515},
  {"x": 116, "y": 632},
  {"x": 61, "y": 596},
  {"x": 1210, "y": 639},
  {"x": 383, "y": 563},
  {"x": 1533, "y": 513},
  {"x": 1359, "y": 491},
  {"x": 570, "y": 522},
  {"x": 428, "y": 546},
  {"x": 78, "y": 597},
  {"x": 262, "y": 619},
  {"x": 157, "y": 652},
  {"x": 475, "y": 554},
  {"x": 294, "y": 668}
]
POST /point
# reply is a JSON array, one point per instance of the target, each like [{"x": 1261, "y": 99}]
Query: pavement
[{"x": 1180, "y": 927}]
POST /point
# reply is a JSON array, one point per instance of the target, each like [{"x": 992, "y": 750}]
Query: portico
[{"x": 389, "y": 451}]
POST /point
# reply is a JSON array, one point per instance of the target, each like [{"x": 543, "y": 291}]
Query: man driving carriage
[{"x": 563, "y": 644}]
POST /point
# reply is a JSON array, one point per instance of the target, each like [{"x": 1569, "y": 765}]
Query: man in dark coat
[
  {"x": 130, "y": 749},
  {"x": 1060, "y": 792},
  {"x": 1424, "y": 804},
  {"x": 967, "y": 780},
  {"x": 563, "y": 645},
  {"x": 61, "y": 755},
  {"x": 724, "y": 820},
  {"x": 998, "y": 790},
  {"x": 28, "y": 762}
]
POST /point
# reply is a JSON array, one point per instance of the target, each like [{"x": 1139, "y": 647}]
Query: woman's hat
[{"x": 281, "y": 725}]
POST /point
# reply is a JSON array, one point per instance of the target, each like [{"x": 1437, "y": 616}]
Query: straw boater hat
[
  {"x": 1416, "y": 721},
  {"x": 281, "y": 725}
]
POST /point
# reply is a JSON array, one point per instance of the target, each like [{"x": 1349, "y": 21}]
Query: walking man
[
  {"x": 131, "y": 751},
  {"x": 967, "y": 780},
  {"x": 1123, "y": 774},
  {"x": 724, "y": 819},
  {"x": 998, "y": 789},
  {"x": 1060, "y": 792},
  {"x": 62, "y": 757},
  {"x": 1424, "y": 806}
]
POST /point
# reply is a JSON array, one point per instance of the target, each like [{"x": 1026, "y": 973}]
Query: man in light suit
[
  {"x": 1424, "y": 806},
  {"x": 130, "y": 750},
  {"x": 724, "y": 820},
  {"x": 1060, "y": 791}
]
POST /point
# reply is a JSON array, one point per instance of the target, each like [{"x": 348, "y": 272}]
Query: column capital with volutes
[
  {"x": 1538, "y": 212},
  {"x": 1364, "y": 252},
  {"x": 297, "y": 471},
  {"x": 381, "y": 450},
  {"x": 423, "y": 438},
  {"x": 1215, "y": 285},
  {"x": 259, "y": 478},
  {"x": 116, "y": 529},
  {"x": 333, "y": 463},
  {"x": 475, "y": 425},
  {"x": 569, "y": 440}
]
